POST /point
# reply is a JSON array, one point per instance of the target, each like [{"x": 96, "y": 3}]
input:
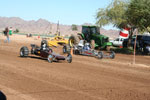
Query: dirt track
[{"x": 86, "y": 78}]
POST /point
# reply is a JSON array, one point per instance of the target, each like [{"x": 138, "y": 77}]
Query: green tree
[
  {"x": 114, "y": 13},
  {"x": 74, "y": 27},
  {"x": 138, "y": 14},
  {"x": 123, "y": 13}
]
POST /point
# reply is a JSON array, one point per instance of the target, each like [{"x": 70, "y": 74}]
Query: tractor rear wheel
[{"x": 73, "y": 40}]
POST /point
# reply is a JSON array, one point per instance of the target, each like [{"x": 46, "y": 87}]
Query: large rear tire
[
  {"x": 24, "y": 52},
  {"x": 73, "y": 40}
]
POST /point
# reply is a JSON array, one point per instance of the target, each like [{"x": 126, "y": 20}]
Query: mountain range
[{"x": 43, "y": 26}]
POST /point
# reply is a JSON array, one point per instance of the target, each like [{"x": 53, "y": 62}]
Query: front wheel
[
  {"x": 69, "y": 58},
  {"x": 100, "y": 55},
  {"x": 112, "y": 55},
  {"x": 50, "y": 58}
]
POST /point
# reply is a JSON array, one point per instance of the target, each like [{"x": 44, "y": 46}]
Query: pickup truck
[
  {"x": 142, "y": 43},
  {"x": 118, "y": 42}
]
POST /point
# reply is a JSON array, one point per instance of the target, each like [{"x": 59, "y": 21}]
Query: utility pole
[
  {"x": 135, "y": 46},
  {"x": 58, "y": 31},
  {"x": 50, "y": 31}
]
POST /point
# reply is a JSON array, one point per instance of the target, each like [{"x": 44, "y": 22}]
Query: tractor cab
[{"x": 90, "y": 31}]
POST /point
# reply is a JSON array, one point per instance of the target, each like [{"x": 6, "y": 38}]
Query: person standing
[
  {"x": 10, "y": 31},
  {"x": 2, "y": 96},
  {"x": 6, "y": 33}
]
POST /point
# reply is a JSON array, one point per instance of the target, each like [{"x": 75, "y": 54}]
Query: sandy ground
[{"x": 86, "y": 78}]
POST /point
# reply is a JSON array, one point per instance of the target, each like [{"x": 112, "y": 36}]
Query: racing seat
[
  {"x": 83, "y": 45},
  {"x": 45, "y": 47}
]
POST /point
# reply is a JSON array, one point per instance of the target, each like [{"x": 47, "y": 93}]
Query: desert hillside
[{"x": 43, "y": 26}]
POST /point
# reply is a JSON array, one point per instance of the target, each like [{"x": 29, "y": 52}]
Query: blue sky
[{"x": 66, "y": 11}]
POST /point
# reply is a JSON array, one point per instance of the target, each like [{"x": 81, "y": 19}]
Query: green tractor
[{"x": 92, "y": 35}]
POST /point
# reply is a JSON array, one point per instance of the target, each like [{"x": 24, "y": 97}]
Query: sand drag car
[
  {"x": 45, "y": 52},
  {"x": 85, "y": 49}
]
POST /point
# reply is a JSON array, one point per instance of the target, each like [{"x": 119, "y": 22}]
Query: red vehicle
[{"x": 45, "y": 52}]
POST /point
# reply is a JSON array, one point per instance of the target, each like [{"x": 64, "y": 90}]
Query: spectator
[
  {"x": 10, "y": 31},
  {"x": 2, "y": 96},
  {"x": 6, "y": 33},
  {"x": 148, "y": 48}
]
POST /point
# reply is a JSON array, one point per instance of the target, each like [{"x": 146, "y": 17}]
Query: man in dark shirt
[{"x": 2, "y": 96}]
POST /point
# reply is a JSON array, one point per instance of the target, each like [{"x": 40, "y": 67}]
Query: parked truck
[
  {"x": 118, "y": 42},
  {"x": 142, "y": 43}
]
